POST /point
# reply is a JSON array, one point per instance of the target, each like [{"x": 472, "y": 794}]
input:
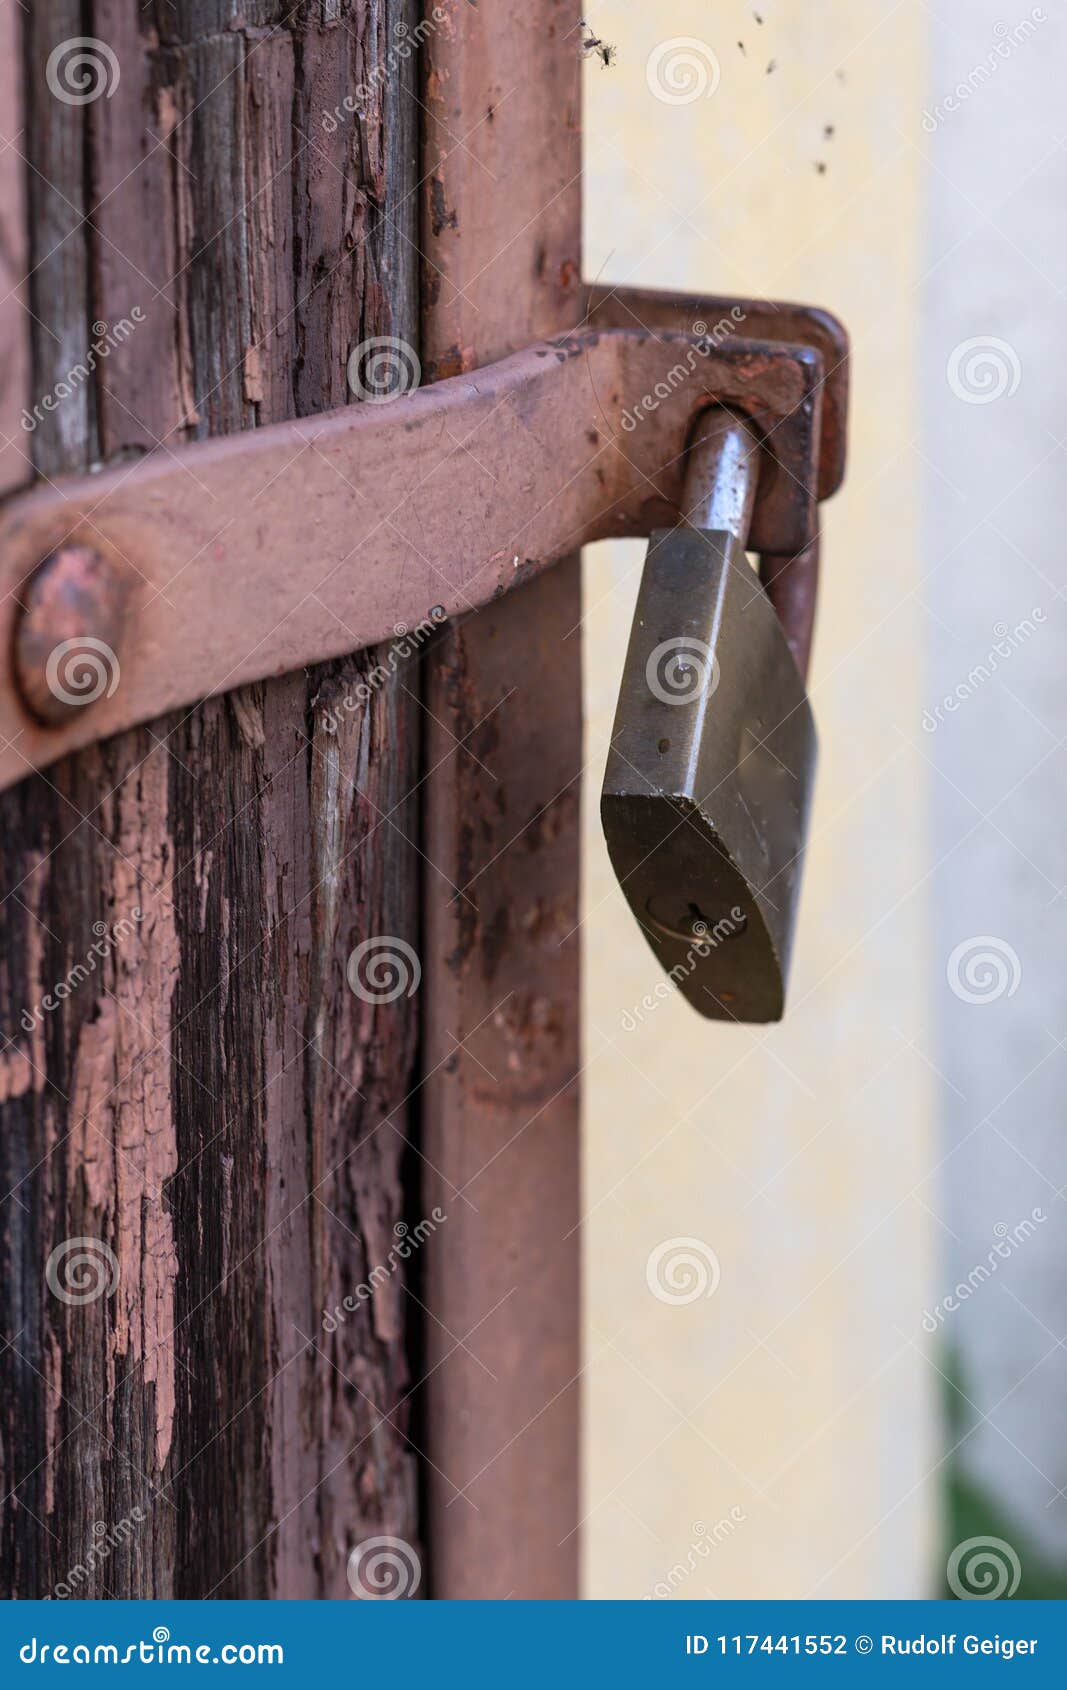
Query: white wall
[
  {"x": 993, "y": 572},
  {"x": 797, "y": 1405}
]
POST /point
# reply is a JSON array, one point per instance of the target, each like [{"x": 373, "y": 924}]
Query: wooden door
[{"x": 289, "y": 1259}]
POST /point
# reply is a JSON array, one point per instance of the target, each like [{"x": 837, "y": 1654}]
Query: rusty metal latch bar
[{"x": 150, "y": 586}]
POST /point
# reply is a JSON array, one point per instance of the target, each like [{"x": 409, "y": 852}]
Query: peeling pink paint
[{"x": 123, "y": 1141}]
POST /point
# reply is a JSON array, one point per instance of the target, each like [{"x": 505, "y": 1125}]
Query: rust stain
[
  {"x": 440, "y": 216},
  {"x": 496, "y": 937},
  {"x": 779, "y": 385},
  {"x": 546, "y": 825},
  {"x": 549, "y": 922},
  {"x": 450, "y": 363}
]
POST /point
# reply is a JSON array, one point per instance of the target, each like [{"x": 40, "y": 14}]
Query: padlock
[{"x": 710, "y": 771}]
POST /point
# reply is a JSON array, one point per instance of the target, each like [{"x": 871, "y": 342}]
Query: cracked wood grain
[{"x": 206, "y": 1099}]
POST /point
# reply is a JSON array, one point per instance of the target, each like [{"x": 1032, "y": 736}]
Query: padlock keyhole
[{"x": 689, "y": 923}]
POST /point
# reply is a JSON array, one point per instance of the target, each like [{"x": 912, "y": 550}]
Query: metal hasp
[
  {"x": 195, "y": 570},
  {"x": 709, "y": 776}
]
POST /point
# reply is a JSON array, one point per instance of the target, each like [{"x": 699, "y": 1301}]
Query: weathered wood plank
[
  {"x": 14, "y": 295},
  {"x": 209, "y": 1101},
  {"x": 502, "y": 234}
]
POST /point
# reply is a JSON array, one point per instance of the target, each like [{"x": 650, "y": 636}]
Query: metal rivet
[{"x": 68, "y": 633}]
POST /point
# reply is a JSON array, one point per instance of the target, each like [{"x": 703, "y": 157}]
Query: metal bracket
[{"x": 152, "y": 585}]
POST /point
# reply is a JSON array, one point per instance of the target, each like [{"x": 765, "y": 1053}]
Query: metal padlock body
[{"x": 709, "y": 777}]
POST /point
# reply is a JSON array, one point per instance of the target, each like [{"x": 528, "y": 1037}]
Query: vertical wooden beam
[
  {"x": 501, "y": 238},
  {"x": 15, "y": 466},
  {"x": 207, "y": 1100}
]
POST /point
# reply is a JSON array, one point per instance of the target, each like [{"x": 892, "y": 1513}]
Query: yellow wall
[{"x": 792, "y": 1404}]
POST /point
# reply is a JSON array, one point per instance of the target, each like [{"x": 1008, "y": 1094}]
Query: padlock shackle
[
  {"x": 721, "y": 475},
  {"x": 719, "y": 496},
  {"x": 791, "y": 582}
]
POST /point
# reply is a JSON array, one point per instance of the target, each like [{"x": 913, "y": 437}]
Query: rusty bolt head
[{"x": 68, "y": 633}]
